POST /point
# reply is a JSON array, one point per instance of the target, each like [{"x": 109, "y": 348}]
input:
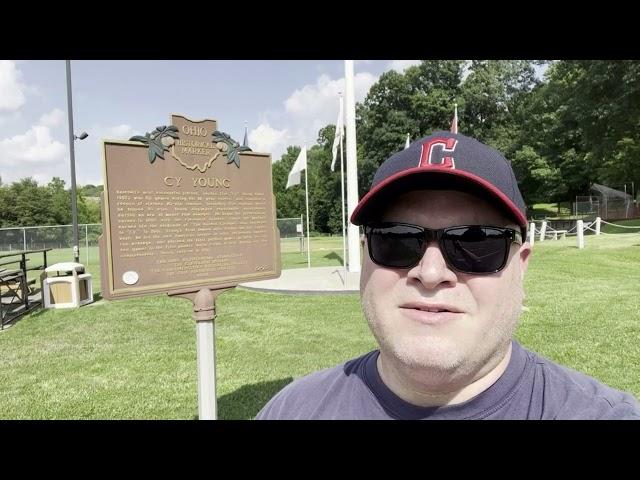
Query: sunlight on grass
[{"x": 137, "y": 359}]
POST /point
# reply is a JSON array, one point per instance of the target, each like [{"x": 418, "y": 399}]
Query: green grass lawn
[
  {"x": 137, "y": 359},
  {"x": 615, "y": 228},
  {"x": 541, "y": 210},
  {"x": 584, "y": 308}
]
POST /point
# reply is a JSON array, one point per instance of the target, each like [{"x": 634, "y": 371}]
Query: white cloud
[
  {"x": 321, "y": 99},
  {"x": 53, "y": 118},
  {"x": 124, "y": 132},
  {"x": 314, "y": 106},
  {"x": 362, "y": 83},
  {"x": 311, "y": 99},
  {"x": 11, "y": 90},
  {"x": 38, "y": 155},
  {"x": 98, "y": 132},
  {"x": 35, "y": 153},
  {"x": 10, "y": 118},
  {"x": 266, "y": 139},
  {"x": 34, "y": 147},
  {"x": 401, "y": 65}
]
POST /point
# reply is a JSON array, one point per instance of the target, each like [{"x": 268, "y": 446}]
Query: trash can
[{"x": 71, "y": 287}]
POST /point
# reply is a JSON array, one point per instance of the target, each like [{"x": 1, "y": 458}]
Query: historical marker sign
[{"x": 185, "y": 207}]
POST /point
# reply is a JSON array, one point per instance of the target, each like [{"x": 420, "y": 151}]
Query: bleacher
[{"x": 18, "y": 293}]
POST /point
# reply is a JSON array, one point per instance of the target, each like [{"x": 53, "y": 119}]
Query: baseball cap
[{"x": 445, "y": 161}]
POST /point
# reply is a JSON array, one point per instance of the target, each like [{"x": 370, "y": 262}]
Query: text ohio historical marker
[{"x": 185, "y": 207}]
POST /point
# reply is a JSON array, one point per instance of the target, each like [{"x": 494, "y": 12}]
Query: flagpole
[
  {"x": 352, "y": 166},
  {"x": 454, "y": 122},
  {"x": 344, "y": 233},
  {"x": 306, "y": 193}
]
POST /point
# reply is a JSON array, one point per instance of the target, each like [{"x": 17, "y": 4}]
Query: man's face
[{"x": 487, "y": 307}]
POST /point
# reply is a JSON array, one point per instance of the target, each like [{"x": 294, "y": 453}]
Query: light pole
[{"x": 72, "y": 139}]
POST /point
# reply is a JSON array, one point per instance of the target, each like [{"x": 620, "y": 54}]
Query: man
[{"x": 442, "y": 291}]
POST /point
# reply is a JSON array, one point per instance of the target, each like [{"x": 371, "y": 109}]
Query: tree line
[
  {"x": 578, "y": 125},
  {"x": 25, "y": 203}
]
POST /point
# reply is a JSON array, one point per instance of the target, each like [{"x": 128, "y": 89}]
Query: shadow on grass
[
  {"x": 39, "y": 310},
  {"x": 245, "y": 402},
  {"x": 334, "y": 256}
]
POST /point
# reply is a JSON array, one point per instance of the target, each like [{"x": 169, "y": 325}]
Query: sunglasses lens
[
  {"x": 396, "y": 246},
  {"x": 476, "y": 249}
]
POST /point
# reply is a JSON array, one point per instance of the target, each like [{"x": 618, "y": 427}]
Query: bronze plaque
[{"x": 185, "y": 207}]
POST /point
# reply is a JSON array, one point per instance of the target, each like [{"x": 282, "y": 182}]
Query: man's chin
[{"x": 436, "y": 354}]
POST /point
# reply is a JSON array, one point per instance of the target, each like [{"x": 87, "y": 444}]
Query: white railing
[{"x": 546, "y": 232}]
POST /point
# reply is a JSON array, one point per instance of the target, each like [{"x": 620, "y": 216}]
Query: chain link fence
[
  {"x": 608, "y": 203},
  {"x": 292, "y": 234},
  {"x": 60, "y": 237},
  {"x": 56, "y": 237}
]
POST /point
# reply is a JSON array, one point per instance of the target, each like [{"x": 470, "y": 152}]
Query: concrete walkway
[{"x": 310, "y": 281}]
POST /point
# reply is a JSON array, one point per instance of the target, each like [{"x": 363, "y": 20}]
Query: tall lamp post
[{"x": 72, "y": 139}]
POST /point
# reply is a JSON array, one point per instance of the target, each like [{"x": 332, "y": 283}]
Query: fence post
[
  {"x": 598, "y": 225},
  {"x": 86, "y": 241},
  {"x": 24, "y": 238},
  {"x": 543, "y": 230},
  {"x": 302, "y": 237},
  {"x": 580, "y": 232},
  {"x": 532, "y": 233}
]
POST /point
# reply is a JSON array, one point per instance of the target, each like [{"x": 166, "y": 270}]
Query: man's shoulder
[
  {"x": 570, "y": 394},
  {"x": 309, "y": 396}
]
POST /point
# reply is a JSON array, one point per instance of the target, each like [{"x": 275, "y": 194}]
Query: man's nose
[{"x": 433, "y": 271}]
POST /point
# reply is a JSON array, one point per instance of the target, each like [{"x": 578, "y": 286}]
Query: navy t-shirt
[{"x": 532, "y": 387}]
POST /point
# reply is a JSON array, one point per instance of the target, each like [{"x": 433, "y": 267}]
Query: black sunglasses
[{"x": 473, "y": 249}]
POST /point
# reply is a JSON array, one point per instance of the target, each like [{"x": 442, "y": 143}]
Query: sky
[{"x": 282, "y": 103}]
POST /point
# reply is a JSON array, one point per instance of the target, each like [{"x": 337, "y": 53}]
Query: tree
[
  {"x": 30, "y": 204},
  {"x": 60, "y": 206},
  {"x": 416, "y": 102},
  {"x": 325, "y": 207},
  {"x": 492, "y": 96},
  {"x": 289, "y": 202},
  {"x": 538, "y": 181},
  {"x": 577, "y": 126}
]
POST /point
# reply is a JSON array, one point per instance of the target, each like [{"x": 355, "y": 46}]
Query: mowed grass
[
  {"x": 136, "y": 358},
  {"x": 325, "y": 252},
  {"x": 584, "y": 308},
  {"x": 622, "y": 226}
]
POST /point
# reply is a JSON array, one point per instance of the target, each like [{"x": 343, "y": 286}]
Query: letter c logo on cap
[{"x": 427, "y": 156}]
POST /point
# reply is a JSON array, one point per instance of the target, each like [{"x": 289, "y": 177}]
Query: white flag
[
  {"x": 298, "y": 166},
  {"x": 339, "y": 134},
  {"x": 406, "y": 145}
]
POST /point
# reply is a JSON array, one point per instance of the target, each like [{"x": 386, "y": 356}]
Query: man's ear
[{"x": 523, "y": 257}]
